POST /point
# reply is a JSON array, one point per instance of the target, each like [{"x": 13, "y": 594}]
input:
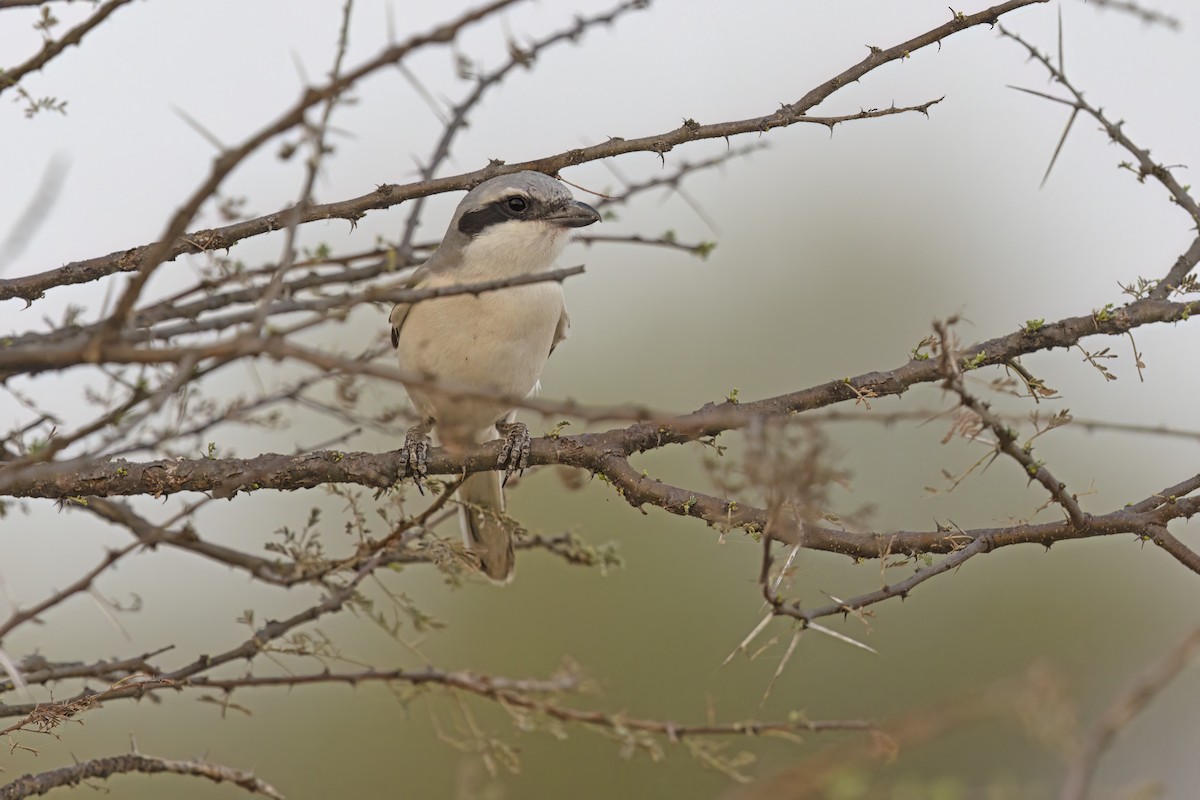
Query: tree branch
[
  {"x": 32, "y": 287},
  {"x": 11, "y": 77},
  {"x": 100, "y": 768}
]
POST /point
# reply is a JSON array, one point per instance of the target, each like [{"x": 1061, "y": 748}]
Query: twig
[
  {"x": 101, "y": 768},
  {"x": 457, "y": 120},
  {"x": 949, "y": 362},
  {"x": 145, "y": 262},
  {"x": 20, "y": 617},
  {"x": 12, "y": 76},
  {"x": 175, "y": 243}
]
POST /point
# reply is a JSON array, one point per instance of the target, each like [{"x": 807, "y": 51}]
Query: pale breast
[{"x": 498, "y": 341}]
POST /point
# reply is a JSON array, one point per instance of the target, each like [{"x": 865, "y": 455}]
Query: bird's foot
[
  {"x": 413, "y": 455},
  {"x": 514, "y": 453}
]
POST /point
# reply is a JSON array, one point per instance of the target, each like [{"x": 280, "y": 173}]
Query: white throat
[{"x": 512, "y": 248}]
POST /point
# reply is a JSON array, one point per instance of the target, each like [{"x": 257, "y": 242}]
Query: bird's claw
[
  {"x": 413, "y": 456},
  {"x": 514, "y": 453}
]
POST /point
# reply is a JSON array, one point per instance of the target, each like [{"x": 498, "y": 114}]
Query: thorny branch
[
  {"x": 166, "y": 340},
  {"x": 170, "y": 247},
  {"x": 101, "y": 768},
  {"x": 583, "y": 450},
  {"x": 53, "y": 47},
  {"x": 152, "y": 256},
  {"x": 456, "y": 121},
  {"x": 514, "y": 695}
]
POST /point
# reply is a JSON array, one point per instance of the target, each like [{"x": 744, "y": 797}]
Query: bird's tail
[{"x": 483, "y": 525}]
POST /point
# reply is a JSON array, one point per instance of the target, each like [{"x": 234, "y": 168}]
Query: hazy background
[{"x": 835, "y": 253}]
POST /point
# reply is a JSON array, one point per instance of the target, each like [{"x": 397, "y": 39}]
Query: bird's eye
[{"x": 517, "y": 204}]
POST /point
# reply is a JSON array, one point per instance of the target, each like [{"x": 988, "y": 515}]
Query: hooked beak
[{"x": 575, "y": 215}]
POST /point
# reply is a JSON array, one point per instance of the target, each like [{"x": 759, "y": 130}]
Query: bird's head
[{"x": 515, "y": 224}]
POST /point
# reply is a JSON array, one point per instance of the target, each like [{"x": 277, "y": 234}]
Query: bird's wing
[
  {"x": 561, "y": 332},
  {"x": 400, "y": 310}
]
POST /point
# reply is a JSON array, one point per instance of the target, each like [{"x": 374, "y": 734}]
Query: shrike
[{"x": 496, "y": 342}]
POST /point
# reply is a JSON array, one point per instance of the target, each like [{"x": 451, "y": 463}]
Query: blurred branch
[
  {"x": 84, "y": 584},
  {"x": 22, "y": 230},
  {"x": 1034, "y": 701},
  {"x": 519, "y": 695},
  {"x": 1146, "y": 15},
  {"x": 1136, "y": 696},
  {"x": 100, "y": 768}
]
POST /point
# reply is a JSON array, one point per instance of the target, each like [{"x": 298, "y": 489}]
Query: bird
[{"x": 495, "y": 343}]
